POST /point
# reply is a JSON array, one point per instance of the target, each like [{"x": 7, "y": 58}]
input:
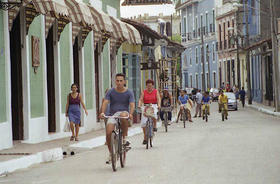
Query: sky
[{"x": 131, "y": 11}]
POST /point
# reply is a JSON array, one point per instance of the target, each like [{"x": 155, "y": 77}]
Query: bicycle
[
  {"x": 205, "y": 112},
  {"x": 165, "y": 116},
  {"x": 118, "y": 149},
  {"x": 149, "y": 129},
  {"x": 184, "y": 114},
  {"x": 223, "y": 112}
]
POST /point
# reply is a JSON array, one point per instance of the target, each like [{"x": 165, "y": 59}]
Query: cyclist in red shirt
[{"x": 149, "y": 96}]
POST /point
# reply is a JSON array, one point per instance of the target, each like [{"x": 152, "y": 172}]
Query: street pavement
[{"x": 242, "y": 150}]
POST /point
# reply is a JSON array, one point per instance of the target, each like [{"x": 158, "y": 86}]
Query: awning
[
  {"x": 14, "y": 12},
  {"x": 81, "y": 18},
  {"x": 134, "y": 34},
  {"x": 52, "y": 9},
  {"x": 102, "y": 25},
  {"x": 120, "y": 33}
]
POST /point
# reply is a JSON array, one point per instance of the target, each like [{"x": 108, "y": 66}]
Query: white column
[
  {"x": 57, "y": 79},
  {"x": 8, "y": 78},
  {"x": 25, "y": 75},
  {"x": 81, "y": 72},
  {"x": 71, "y": 53},
  {"x": 44, "y": 65}
]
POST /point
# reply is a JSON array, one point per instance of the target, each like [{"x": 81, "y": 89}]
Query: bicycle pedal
[{"x": 127, "y": 149}]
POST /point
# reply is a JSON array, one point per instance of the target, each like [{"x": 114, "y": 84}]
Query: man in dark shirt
[{"x": 242, "y": 94}]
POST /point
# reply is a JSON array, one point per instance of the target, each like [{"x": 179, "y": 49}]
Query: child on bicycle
[
  {"x": 223, "y": 101},
  {"x": 166, "y": 101},
  {"x": 206, "y": 103},
  {"x": 183, "y": 99}
]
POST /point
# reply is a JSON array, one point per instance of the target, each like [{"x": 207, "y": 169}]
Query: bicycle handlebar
[{"x": 119, "y": 117}]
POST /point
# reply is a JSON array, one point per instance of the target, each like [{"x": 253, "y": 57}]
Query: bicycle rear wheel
[
  {"x": 206, "y": 115},
  {"x": 184, "y": 118},
  {"x": 147, "y": 135},
  {"x": 223, "y": 115},
  {"x": 114, "y": 151},
  {"x": 165, "y": 121},
  {"x": 122, "y": 150}
]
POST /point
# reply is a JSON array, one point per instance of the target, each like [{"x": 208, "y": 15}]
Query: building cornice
[{"x": 180, "y": 5}]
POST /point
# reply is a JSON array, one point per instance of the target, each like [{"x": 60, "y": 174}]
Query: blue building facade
[{"x": 196, "y": 16}]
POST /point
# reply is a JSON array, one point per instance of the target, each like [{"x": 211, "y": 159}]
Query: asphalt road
[{"x": 242, "y": 150}]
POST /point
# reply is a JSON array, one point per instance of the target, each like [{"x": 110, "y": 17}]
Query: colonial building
[
  {"x": 199, "y": 39},
  {"x": 43, "y": 51},
  {"x": 231, "y": 56}
]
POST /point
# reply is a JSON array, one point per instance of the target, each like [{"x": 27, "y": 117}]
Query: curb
[
  {"x": 54, "y": 154},
  {"x": 263, "y": 110}
]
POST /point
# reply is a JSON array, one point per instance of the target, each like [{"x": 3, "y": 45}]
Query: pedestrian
[
  {"x": 73, "y": 111},
  {"x": 242, "y": 94},
  {"x": 166, "y": 101},
  {"x": 223, "y": 86},
  {"x": 198, "y": 102}
]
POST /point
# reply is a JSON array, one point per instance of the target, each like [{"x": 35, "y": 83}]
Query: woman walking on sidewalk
[{"x": 73, "y": 110}]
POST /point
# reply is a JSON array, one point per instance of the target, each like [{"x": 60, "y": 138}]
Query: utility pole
[
  {"x": 208, "y": 61},
  {"x": 275, "y": 59},
  {"x": 237, "y": 49},
  {"x": 249, "y": 94},
  {"x": 202, "y": 59}
]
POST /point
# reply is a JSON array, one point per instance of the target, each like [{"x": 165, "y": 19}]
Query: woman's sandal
[
  {"x": 76, "y": 139},
  {"x": 72, "y": 138}
]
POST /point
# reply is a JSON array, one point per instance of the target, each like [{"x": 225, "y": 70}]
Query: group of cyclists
[{"x": 122, "y": 104}]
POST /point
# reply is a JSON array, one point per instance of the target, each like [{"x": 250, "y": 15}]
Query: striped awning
[
  {"x": 53, "y": 9},
  {"x": 102, "y": 25},
  {"x": 120, "y": 33},
  {"x": 14, "y": 12},
  {"x": 80, "y": 16},
  {"x": 134, "y": 34}
]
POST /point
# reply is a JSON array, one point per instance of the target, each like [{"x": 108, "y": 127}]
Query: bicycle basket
[{"x": 149, "y": 111}]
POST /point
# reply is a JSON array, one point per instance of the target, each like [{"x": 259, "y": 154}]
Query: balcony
[{"x": 183, "y": 37}]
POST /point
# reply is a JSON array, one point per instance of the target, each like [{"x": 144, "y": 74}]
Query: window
[
  {"x": 190, "y": 55},
  {"x": 185, "y": 26},
  {"x": 214, "y": 20},
  {"x": 206, "y": 22},
  {"x": 168, "y": 29},
  {"x": 191, "y": 81},
  {"x": 207, "y": 54},
  {"x": 214, "y": 79},
  {"x": 201, "y": 25},
  {"x": 201, "y": 80},
  {"x": 196, "y": 80},
  {"x": 213, "y": 52},
  {"x": 207, "y": 80},
  {"x": 196, "y": 55},
  {"x": 196, "y": 26}
]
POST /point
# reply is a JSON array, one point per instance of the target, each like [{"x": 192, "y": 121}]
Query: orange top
[{"x": 150, "y": 97}]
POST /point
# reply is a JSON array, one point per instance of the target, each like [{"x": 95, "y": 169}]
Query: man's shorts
[
  {"x": 114, "y": 120},
  {"x": 144, "y": 119}
]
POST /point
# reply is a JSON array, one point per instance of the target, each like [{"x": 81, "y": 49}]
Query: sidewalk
[
  {"x": 24, "y": 155},
  {"x": 263, "y": 108}
]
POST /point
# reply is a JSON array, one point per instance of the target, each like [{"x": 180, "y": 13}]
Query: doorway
[
  {"x": 51, "y": 81},
  {"x": 76, "y": 62},
  {"x": 96, "y": 66},
  {"x": 16, "y": 80}
]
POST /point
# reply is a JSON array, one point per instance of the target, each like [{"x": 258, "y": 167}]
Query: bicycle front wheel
[
  {"x": 184, "y": 118},
  {"x": 147, "y": 135},
  {"x": 114, "y": 151},
  {"x": 122, "y": 150}
]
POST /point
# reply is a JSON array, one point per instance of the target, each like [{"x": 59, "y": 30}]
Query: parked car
[
  {"x": 232, "y": 101},
  {"x": 214, "y": 94}
]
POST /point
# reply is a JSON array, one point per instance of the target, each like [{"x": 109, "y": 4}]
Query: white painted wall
[{"x": 112, "y": 11}]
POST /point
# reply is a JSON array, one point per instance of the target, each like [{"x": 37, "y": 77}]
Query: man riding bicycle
[
  {"x": 122, "y": 104},
  {"x": 183, "y": 99},
  {"x": 223, "y": 101},
  {"x": 206, "y": 103}
]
